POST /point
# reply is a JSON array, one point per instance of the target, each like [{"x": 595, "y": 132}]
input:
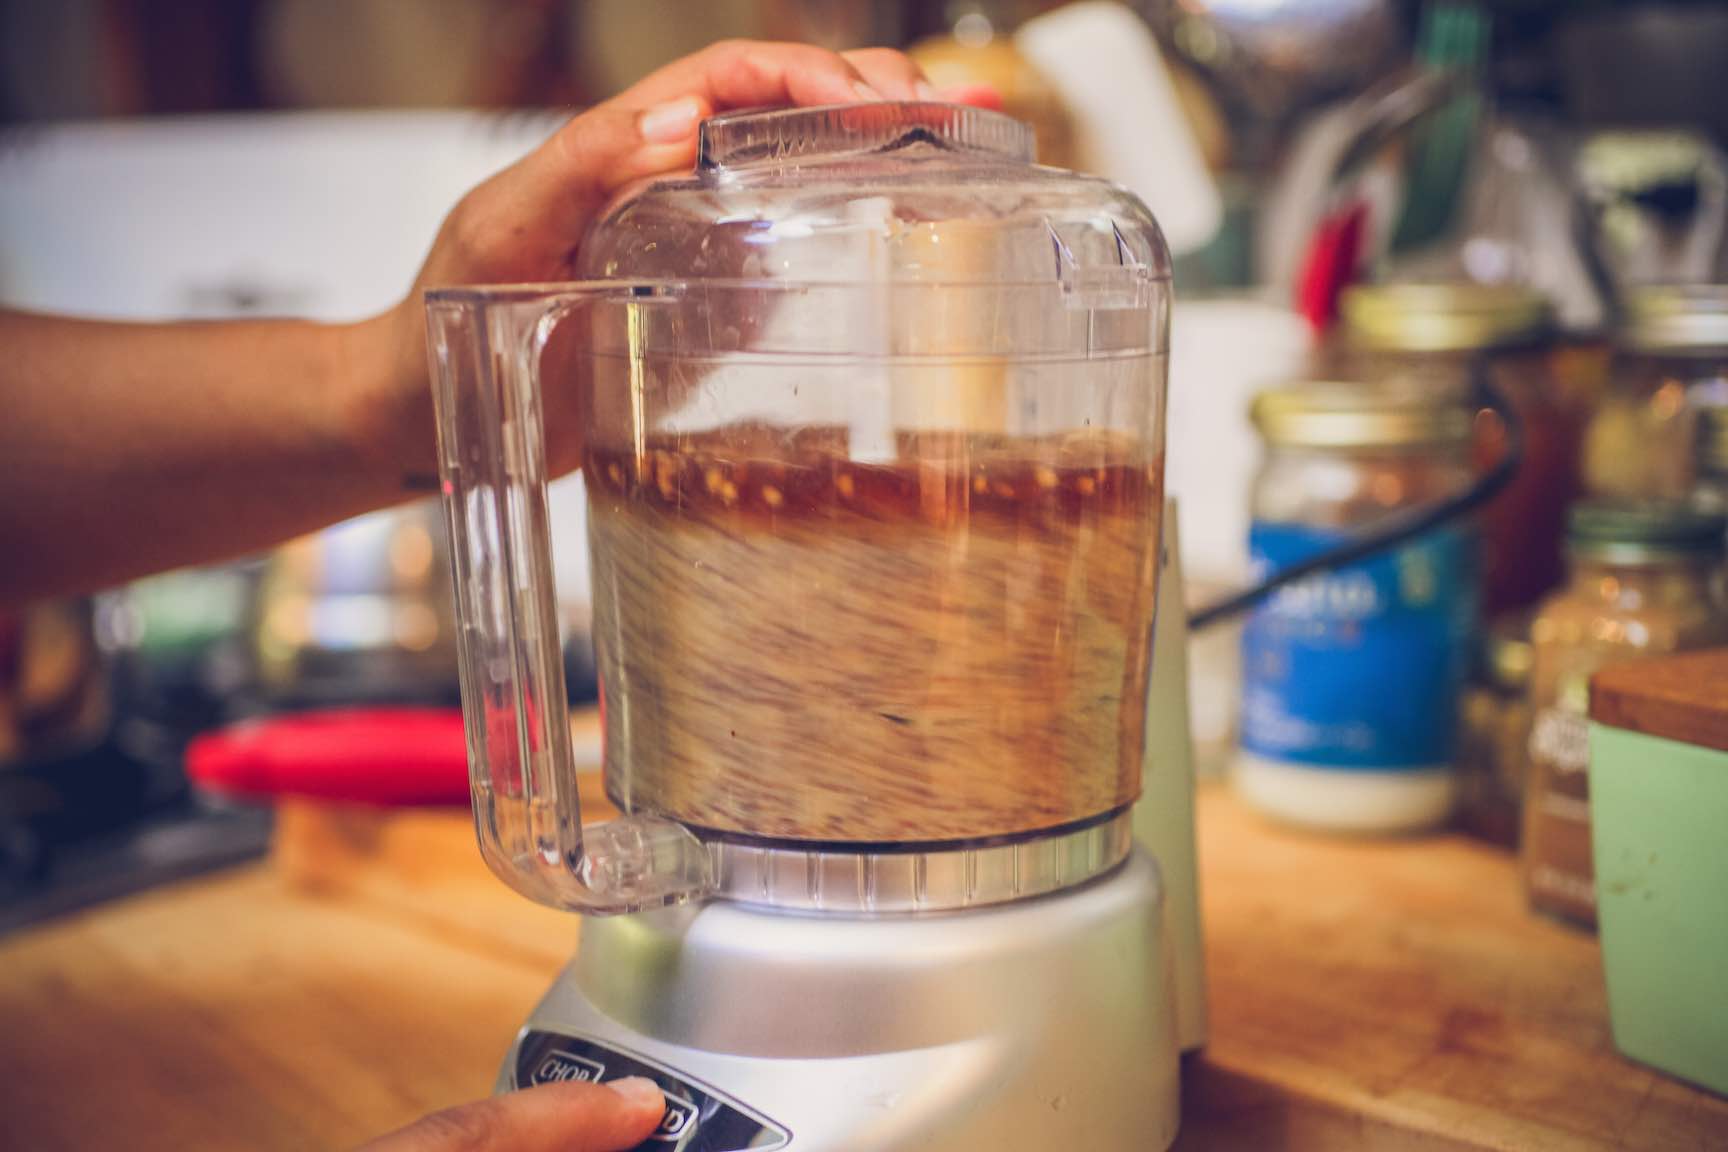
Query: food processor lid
[
  {"x": 784, "y": 136},
  {"x": 914, "y": 192}
]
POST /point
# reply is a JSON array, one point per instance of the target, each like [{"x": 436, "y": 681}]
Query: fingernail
[
  {"x": 639, "y": 1090},
  {"x": 926, "y": 90},
  {"x": 670, "y": 123},
  {"x": 977, "y": 95},
  {"x": 865, "y": 92}
]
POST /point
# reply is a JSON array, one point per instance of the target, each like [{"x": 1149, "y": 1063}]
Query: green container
[{"x": 1659, "y": 812}]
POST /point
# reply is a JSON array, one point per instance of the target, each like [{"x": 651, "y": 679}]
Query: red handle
[
  {"x": 1330, "y": 263},
  {"x": 396, "y": 757}
]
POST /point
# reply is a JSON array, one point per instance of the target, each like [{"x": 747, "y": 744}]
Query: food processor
[{"x": 870, "y": 413}]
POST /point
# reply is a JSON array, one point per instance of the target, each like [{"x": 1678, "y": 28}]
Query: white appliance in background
[
  {"x": 1104, "y": 63},
  {"x": 1222, "y": 350},
  {"x": 325, "y": 216}
]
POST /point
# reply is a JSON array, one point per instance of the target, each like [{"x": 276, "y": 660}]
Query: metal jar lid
[
  {"x": 1324, "y": 414},
  {"x": 1445, "y": 317},
  {"x": 1645, "y": 531},
  {"x": 1676, "y": 320}
]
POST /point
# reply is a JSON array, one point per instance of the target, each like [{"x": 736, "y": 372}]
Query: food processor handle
[{"x": 486, "y": 351}]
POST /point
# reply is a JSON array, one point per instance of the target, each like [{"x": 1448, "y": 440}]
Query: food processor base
[{"x": 1047, "y": 1023}]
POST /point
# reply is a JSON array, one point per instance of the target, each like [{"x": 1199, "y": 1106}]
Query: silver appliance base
[{"x": 1048, "y": 1023}]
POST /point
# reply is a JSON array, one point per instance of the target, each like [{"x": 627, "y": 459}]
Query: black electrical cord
[{"x": 1399, "y": 528}]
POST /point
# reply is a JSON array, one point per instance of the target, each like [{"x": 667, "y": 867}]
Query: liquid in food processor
[{"x": 872, "y": 440}]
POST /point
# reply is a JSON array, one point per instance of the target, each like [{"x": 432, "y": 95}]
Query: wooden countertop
[{"x": 1367, "y": 995}]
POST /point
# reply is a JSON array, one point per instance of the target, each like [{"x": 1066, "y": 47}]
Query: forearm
[{"x": 126, "y": 449}]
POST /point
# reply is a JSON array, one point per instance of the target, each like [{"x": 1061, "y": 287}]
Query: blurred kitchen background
[{"x": 1556, "y": 166}]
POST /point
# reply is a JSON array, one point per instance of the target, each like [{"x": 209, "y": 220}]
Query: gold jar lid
[
  {"x": 1444, "y": 317},
  {"x": 1324, "y": 414},
  {"x": 1676, "y": 320}
]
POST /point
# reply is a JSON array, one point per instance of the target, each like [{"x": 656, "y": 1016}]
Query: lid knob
[{"x": 801, "y": 135}]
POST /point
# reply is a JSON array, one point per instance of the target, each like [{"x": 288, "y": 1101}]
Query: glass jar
[
  {"x": 1671, "y": 361},
  {"x": 1711, "y": 456},
  {"x": 1351, "y": 677},
  {"x": 1646, "y": 580},
  {"x": 1429, "y": 336},
  {"x": 1494, "y": 735}
]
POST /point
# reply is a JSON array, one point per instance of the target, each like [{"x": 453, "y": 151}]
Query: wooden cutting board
[{"x": 1377, "y": 996}]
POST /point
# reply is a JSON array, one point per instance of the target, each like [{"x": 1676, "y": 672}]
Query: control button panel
[
  {"x": 697, "y": 1118},
  {"x": 559, "y": 1067}
]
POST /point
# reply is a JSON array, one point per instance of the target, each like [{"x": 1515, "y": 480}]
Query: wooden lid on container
[{"x": 1682, "y": 698}]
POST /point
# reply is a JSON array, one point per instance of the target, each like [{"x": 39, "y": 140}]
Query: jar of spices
[
  {"x": 1670, "y": 363},
  {"x": 1494, "y": 735},
  {"x": 1351, "y": 677},
  {"x": 1646, "y": 580},
  {"x": 1431, "y": 336}
]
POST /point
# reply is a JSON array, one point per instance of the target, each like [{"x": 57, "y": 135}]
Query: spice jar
[
  {"x": 1494, "y": 735},
  {"x": 1430, "y": 336},
  {"x": 1351, "y": 677},
  {"x": 1646, "y": 580},
  {"x": 1670, "y": 362}
]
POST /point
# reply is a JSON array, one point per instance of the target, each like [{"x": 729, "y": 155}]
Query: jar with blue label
[{"x": 1351, "y": 677}]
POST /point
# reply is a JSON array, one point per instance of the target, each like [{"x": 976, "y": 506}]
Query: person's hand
[
  {"x": 551, "y": 1118},
  {"x": 524, "y": 224}
]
